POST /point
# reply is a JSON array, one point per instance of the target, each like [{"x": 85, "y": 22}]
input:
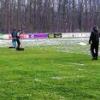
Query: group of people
[
  {"x": 16, "y": 39},
  {"x": 94, "y": 43}
]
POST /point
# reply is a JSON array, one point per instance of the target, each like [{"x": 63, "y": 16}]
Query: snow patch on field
[
  {"x": 57, "y": 78},
  {"x": 78, "y": 64},
  {"x": 37, "y": 80},
  {"x": 67, "y": 77},
  {"x": 41, "y": 42},
  {"x": 82, "y": 44},
  {"x": 80, "y": 69}
]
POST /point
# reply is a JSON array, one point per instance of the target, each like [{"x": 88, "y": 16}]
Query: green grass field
[{"x": 46, "y": 73}]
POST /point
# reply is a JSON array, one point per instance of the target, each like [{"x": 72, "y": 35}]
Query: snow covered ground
[
  {"x": 44, "y": 42},
  {"x": 72, "y": 45}
]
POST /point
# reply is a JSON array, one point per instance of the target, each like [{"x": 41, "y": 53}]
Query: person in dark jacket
[
  {"x": 18, "y": 41},
  {"x": 94, "y": 42}
]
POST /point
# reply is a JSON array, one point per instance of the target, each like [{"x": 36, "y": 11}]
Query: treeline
[{"x": 49, "y": 15}]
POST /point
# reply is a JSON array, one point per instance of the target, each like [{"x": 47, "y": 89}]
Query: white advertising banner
[{"x": 72, "y": 35}]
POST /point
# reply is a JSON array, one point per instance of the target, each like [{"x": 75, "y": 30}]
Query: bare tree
[{"x": 49, "y": 15}]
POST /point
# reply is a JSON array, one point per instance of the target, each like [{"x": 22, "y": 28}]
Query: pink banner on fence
[
  {"x": 41, "y": 35},
  {"x": 22, "y": 36}
]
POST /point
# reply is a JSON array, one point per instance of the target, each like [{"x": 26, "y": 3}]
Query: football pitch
[{"x": 52, "y": 72}]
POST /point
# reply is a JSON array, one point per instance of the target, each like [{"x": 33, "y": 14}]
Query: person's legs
[
  {"x": 92, "y": 51},
  {"x": 18, "y": 44},
  {"x": 96, "y": 51},
  {"x": 14, "y": 43}
]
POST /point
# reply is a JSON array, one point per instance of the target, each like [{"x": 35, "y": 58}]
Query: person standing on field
[
  {"x": 13, "y": 35},
  {"x": 94, "y": 43},
  {"x": 18, "y": 40}
]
